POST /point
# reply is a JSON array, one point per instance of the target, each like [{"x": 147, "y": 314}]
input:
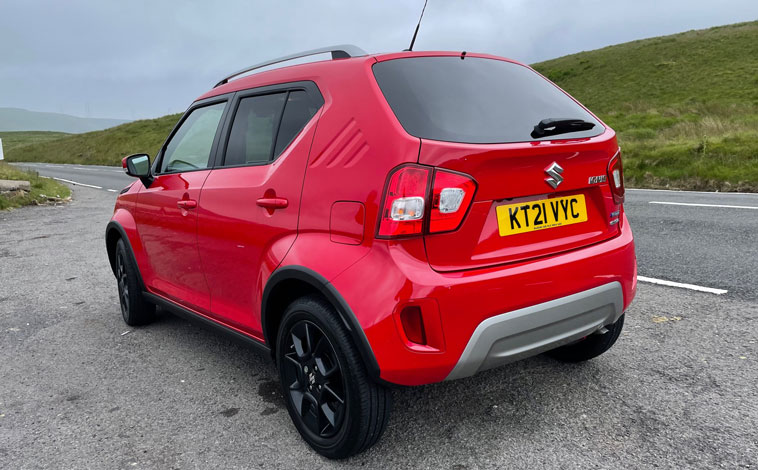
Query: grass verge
[{"x": 43, "y": 191}]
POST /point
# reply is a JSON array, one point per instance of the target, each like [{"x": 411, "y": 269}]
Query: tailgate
[{"x": 516, "y": 214}]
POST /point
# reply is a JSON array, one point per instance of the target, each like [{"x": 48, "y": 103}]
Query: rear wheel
[
  {"x": 591, "y": 346},
  {"x": 135, "y": 310},
  {"x": 335, "y": 406}
]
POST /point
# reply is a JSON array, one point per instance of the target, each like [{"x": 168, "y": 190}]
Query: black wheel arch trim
[
  {"x": 114, "y": 225},
  {"x": 325, "y": 288}
]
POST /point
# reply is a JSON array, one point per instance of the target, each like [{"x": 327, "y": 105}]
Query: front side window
[{"x": 190, "y": 147}]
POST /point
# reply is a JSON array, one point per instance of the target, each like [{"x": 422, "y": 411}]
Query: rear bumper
[
  {"x": 532, "y": 330},
  {"x": 460, "y": 309}
]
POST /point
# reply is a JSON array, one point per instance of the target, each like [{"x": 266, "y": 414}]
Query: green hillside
[
  {"x": 11, "y": 140},
  {"x": 685, "y": 108},
  {"x": 106, "y": 147}
]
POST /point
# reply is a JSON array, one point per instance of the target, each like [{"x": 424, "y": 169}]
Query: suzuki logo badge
[{"x": 554, "y": 172}]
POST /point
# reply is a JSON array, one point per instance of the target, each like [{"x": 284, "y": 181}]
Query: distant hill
[
  {"x": 16, "y": 119},
  {"x": 685, "y": 108},
  {"x": 105, "y": 147}
]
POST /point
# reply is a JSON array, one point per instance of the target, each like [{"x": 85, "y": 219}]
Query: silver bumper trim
[{"x": 532, "y": 330}]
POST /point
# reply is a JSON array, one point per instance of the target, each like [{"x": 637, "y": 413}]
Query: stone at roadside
[{"x": 14, "y": 185}]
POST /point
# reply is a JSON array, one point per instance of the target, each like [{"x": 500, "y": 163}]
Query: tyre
[
  {"x": 337, "y": 409},
  {"x": 134, "y": 308},
  {"x": 590, "y": 346}
]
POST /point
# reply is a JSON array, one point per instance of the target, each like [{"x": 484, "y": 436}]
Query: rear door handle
[
  {"x": 186, "y": 204},
  {"x": 272, "y": 202}
]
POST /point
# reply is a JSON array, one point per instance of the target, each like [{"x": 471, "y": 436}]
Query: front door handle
[
  {"x": 272, "y": 202},
  {"x": 186, "y": 204}
]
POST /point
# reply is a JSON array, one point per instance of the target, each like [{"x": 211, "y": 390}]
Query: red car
[{"x": 370, "y": 220}]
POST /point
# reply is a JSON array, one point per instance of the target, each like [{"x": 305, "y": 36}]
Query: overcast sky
[{"x": 134, "y": 59}]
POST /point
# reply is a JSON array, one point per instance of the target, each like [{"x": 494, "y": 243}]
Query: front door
[
  {"x": 250, "y": 202},
  {"x": 166, "y": 212}
]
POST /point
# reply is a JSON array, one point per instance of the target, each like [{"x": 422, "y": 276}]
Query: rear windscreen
[{"x": 474, "y": 100}]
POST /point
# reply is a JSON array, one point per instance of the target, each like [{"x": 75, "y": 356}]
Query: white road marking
[
  {"x": 681, "y": 285},
  {"x": 110, "y": 169},
  {"x": 113, "y": 190},
  {"x": 703, "y": 205},
  {"x": 686, "y": 191},
  {"x": 80, "y": 184}
]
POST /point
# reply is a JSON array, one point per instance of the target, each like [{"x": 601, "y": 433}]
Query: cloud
[{"x": 140, "y": 59}]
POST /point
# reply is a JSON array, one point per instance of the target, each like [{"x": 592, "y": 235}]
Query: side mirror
[{"x": 138, "y": 165}]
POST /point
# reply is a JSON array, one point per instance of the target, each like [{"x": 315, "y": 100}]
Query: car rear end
[{"x": 506, "y": 237}]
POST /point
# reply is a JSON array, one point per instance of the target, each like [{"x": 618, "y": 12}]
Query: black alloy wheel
[
  {"x": 134, "y": 308},
  {"x": 314, "y": 379},
  {"x": 123, "y": 284},
  {"x": 337, "y": 408}
]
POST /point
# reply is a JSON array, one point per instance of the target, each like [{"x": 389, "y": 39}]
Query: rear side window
[
  {"x": 297, "y": 112},
  {"x": 265, "y": 125},
  {"x": 190, "y": 146},
  {"x": 253, "y": 131},
  {"x": 474, "y": 100}
]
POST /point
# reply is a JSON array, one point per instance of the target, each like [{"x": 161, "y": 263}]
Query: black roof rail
[{"x": 343, "y": 51}]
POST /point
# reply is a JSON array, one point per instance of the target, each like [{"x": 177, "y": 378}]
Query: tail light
[
  {"x": 616, "y": 178},
  {"x": 407, "y": 201},
  {"x": 452, "y": 194},
  {"x": 404, "y": 200}
]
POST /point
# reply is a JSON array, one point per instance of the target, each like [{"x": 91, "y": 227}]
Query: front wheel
[
  {"x": 334, "y": 404},
  {"x": 134, "y": 308},
  {"x": 591, "y": 346}
]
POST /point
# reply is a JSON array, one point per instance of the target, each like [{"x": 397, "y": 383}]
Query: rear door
[
  {"x": 537, "y": 194},
  {"x": 250, "y": 202}
]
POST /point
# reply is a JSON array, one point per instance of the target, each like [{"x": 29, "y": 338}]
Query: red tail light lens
[
  {"x": 616, "y": 178},
  {"x": 452, "y": 194},
  {"x": 404, "y": 204},
  {"x": 406, "y": 201}
]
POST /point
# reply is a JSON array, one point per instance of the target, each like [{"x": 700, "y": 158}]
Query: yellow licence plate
[{"x": 537, "y": 215}]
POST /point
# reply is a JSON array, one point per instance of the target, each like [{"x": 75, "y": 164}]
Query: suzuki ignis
[{"x": 371, "y": 220}]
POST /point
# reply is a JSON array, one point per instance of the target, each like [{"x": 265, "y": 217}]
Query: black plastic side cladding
[
  {"x": 331, "y": 294},
  {"x": 192, "y": 316}
]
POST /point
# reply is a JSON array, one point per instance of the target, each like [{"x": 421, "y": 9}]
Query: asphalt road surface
[
  {"x": 107, "y": 178},
  {"x": 80, "y": 389},
  {"x": 707, "y": 239}
]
